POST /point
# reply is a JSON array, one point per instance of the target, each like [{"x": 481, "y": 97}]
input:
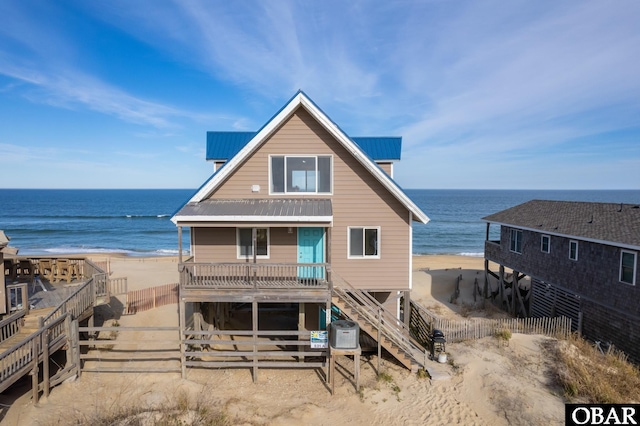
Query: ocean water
[{"x": 136, "y": 222}]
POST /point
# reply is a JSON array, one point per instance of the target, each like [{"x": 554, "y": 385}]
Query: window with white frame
[
  {"x": 516, "y": 241},
  {"x": 545, "y": 244},
  {"x": 244, "y": 239},
  {"x": 628, "y": 262},
  {"x": 364, "y": 242},
  {"x": 573, "y": 250},
  {"x": 292, "y": 174}
]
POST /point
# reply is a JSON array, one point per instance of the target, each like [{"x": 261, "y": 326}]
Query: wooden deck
[{"x": 40, "y": 322}]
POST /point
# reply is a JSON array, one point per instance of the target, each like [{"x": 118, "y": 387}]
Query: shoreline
[{"x": 174, "y": 253}]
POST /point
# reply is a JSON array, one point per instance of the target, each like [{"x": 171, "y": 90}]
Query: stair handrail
[
  {"x": 22, "y": 353},
  {"x": 11, "y": 325},
  {"x": 378, "y": 316}
]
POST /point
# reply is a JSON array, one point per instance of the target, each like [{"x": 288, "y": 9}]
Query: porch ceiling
[{"x": 259, "y": 210}]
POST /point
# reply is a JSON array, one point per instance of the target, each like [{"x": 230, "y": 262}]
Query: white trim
[
  {"x": 259, "y": 256},
  {"x": 516, "y": 241},
  {"x": 542, "y": 237},
  {"x": 301, "y": 100},
  {"x": 635, "y": 266},
  {"x": 301, "y": 219},
  {"x": 578, "y": 237},
  {"x": 364, "y": 256},
  {"x": 577, "y": 245},
  {"x": 410, "y": 251}
]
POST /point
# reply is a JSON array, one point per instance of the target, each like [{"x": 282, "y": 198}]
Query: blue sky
[{"x": 486, "y": 94}]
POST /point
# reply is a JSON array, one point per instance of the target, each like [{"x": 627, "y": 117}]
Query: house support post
[
  {"x": 35, "y": 352},
  {"x": 301, "y": 323},
  {"x": 75, "y": 336},
  {"x": 515, "y": 292},
  {"x": 407, "y": 308},
  {"x": 379, "y": 339},
  {"x": 45, "y": 357},
  {"x": 579, "y": 330},
  {"x": 502, "y": 295},
  {"x": 486, "y": 279},
  {"x": 254, "y": 325},
  {"x": 70, "y": 339},
  {"x": 179, "y": 244},
  {"x": 182, "y": 337}
]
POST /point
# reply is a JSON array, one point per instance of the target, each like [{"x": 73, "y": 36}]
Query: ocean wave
[
  {"x": 85, "y": 217},
  {"x": 100, "y": 250},
  {"x": 469, "y": 254},
  {"x": 472, "y": 254}
]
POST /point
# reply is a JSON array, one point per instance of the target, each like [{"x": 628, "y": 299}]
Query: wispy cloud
[
  {"x": 518, "y": 81},
  {"x": 45, "y": 63}
]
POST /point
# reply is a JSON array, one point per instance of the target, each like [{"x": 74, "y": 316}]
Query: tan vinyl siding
[
  {"x": 358, "y": 200},
  {"x": 218, "y": 245},
  {"x": 387, "y": 167}
]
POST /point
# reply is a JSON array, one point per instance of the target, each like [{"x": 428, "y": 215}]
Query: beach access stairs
[
  {"x": 28, "y": 336},
  {"x": 379, "y": 323}
]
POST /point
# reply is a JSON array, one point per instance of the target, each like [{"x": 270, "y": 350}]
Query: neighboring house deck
[
  {"x": 300, "y": 213},
  {"x": 582, "y": 259},
  {"x": 41, "y": 305}
]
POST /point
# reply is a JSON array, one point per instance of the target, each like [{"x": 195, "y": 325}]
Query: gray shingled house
[{"x": 582, "y": 260}]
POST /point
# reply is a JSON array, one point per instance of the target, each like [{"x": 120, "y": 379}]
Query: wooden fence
[
  {"x": 423, "y": 322},
  {"x": 129, "y": 349},
  {"x": 149, "y": 298}
]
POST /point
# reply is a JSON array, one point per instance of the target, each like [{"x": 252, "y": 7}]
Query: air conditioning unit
[{"x": 344, "y": 334}]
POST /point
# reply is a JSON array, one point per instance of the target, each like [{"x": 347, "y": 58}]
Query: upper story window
[
  {"x": 628, "y": 261},
  {"x": 363, "y": 242},
  {"x": 300, "y": 174},
  {"x": 516, "y": 241},
  {"x": 245, "y": 243},
  {"x": 573, "y": 250},
  {"x": 545, "y": 244}
]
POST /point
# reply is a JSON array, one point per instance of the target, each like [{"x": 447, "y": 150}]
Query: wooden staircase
[
  {"x": 30, "y": 326},
  {"x": 379, "y": 323}
]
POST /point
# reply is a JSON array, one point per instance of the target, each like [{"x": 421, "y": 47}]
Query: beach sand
[{"x": 485, "y": 383}]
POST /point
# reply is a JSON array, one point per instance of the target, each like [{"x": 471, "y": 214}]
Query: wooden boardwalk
[{"x": 43, "y": 321}]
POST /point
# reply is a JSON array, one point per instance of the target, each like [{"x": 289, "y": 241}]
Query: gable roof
[
  {"x": 222, "y": 146},
  {"x": 604, "y": 223},
  {"x": 301, "y": 100}
]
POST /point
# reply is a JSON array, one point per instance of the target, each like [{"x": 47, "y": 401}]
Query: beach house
[
  {"x": 299, "y": 217},
  {"x": 582, "y": 261}
]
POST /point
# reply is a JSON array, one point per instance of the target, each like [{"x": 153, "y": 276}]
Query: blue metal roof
[
  {"x": 224, "y": 145},
  {"x": 380, "y": 148}
]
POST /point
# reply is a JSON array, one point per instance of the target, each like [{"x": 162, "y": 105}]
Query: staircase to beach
[
  {"x": 379, "y": 323},
  {"x": 29, "y": 326}
]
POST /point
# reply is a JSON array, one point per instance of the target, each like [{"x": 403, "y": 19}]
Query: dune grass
[{"x": 587, "y": 375}]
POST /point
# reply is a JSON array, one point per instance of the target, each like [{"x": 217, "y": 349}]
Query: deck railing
[
  {"x": 76, "y": 304},
  {"x": 25, "y": 355},
  {"x": 253, "y": 275},
  {"x": 11, "y": 325}
]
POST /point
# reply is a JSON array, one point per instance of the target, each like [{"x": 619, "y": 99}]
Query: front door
[{"x": 311, "y": 250}]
